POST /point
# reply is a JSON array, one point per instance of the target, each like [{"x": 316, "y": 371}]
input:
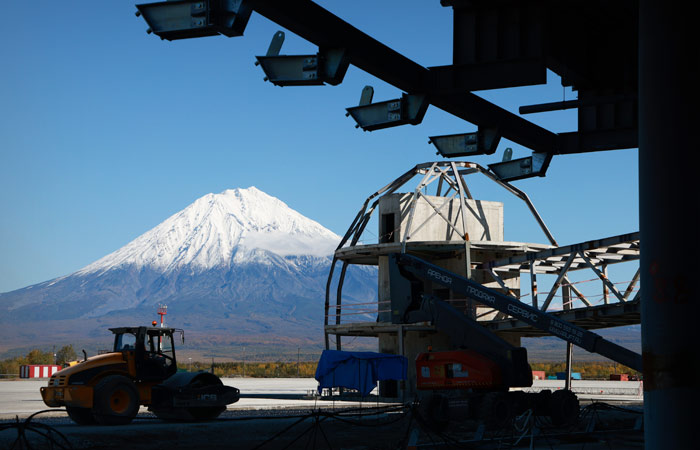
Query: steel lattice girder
[{"x": 610, "y": 250}]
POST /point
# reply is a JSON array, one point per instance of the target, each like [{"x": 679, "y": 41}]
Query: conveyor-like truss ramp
[{"x": 406, "y": 297}]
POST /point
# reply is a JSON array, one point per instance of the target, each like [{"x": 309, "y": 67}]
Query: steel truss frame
[
  {"x": 560, "y": 261},
  {"x": 449, "y": 173},
  {"x": 450, "y": 176}
]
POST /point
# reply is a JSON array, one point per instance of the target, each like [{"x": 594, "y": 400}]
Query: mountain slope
[
  {"x": 218, "y": 230},
  {"x": 234, "y": 265}
]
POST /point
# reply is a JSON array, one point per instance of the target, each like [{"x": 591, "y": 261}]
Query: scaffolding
[{"x": 484, "y": 256}]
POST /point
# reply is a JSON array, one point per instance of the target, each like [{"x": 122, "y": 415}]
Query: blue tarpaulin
[{"x": 358, "y": 370}]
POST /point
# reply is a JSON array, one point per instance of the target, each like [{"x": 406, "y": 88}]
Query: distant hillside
[{"x": 236, "y": 268}]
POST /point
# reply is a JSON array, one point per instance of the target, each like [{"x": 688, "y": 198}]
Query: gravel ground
[
  {"x": 334, "y": 428},
  {"x": 251, "y": 422},
  {"x": 234, "y": 429}
]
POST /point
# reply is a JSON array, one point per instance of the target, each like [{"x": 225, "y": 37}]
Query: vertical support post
[
  {"x": 471, "y": 309},
  {"x": 569, "y": 359},
  {"x": 338, "y": 303},
  {"x": 566, "y": 299},
  {"x": 533, "y": 284},
  {"x": 463, "y": 194},
  {"x": 667, "y": 170},
  {"x": 566, "y": 296},
  {"x": 606, "y": 291},
  {"x": 402, "y": 383},
  {"x": 468, "y": 259},
  {"x": 469, "y": 306}
]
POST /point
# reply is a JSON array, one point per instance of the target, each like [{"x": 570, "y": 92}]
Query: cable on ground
[{"x": 52, "y": 438}]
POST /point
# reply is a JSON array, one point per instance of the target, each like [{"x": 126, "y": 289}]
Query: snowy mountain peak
[{"x": 234, "y": 227}]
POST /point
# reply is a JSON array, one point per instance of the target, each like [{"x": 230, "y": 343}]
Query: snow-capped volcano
[
  {"x": 236, "y": 264},
  {"x": 236, "y": 226}
]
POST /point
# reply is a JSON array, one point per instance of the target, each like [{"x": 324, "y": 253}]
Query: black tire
[
  {"x": 115, "y": 401},
  {"x": 206, "y": 412},
  {"x": 496, "y": 409},
  {"x": 162, "y": 403},
  {"x": 563, "y": 408},
  {"x": 81, "y": 416},
  {"x": 192, "y": 414},
  {"x": 436, "y": 412}
]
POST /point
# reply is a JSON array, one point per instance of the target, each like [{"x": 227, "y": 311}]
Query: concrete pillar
[{"x": 668, "y": 195}]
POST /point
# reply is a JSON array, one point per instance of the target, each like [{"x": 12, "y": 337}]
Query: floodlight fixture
[
  {"x": 482, "y": 142},
  {"x": 409, "y": 109},
  {"x": 182, "y": 19},
  {"x": 516, "y": 169},
  {"x": 326, "y": 66}
]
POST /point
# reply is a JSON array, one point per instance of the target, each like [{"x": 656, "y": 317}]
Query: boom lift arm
[
  {"x": 465, "y": 332},
  {"x": 409, "y": 305}
]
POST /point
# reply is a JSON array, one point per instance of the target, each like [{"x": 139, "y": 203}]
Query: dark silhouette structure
[{"x": 631, "y": 63}]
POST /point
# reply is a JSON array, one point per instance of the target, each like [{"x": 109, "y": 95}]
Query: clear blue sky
[{"x": 106, "y": 131}]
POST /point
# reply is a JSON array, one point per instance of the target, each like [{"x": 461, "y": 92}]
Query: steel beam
[
  {"x": 632, "y": 285},
  {"x": 606, "y": 292},
  {"x": 488, "y": 75},
  {"x": 590, "y": 318},
  {"x": 606, "y": 282},
  {"x": 524, "y": 197},
  {"x": 502, "y": 283},
  {"x": 595, "y": 141},
  {"x": 577, "y": 103},
  {"x": 546, "y": 107},
  {"x": 578, "y": 293},
  {"x": 319, "y": 26},
  {"x": 558, "y": 281},
  {"x": 569, "y": 361},
  {"x": 566, "y": 250},
  {"x": 533, "y": 283}
]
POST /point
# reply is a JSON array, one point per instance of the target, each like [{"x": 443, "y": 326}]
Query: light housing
[
  {"x": 482, "y": 142},
  {"x": 185, "y": 19},
  {"x": 409, "y": 109},
  {"x": 531, "y": 166},
  {"x": 327, "y": 66}
]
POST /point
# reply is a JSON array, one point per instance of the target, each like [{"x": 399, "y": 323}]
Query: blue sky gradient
[{"x": 106, "y": 131}]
